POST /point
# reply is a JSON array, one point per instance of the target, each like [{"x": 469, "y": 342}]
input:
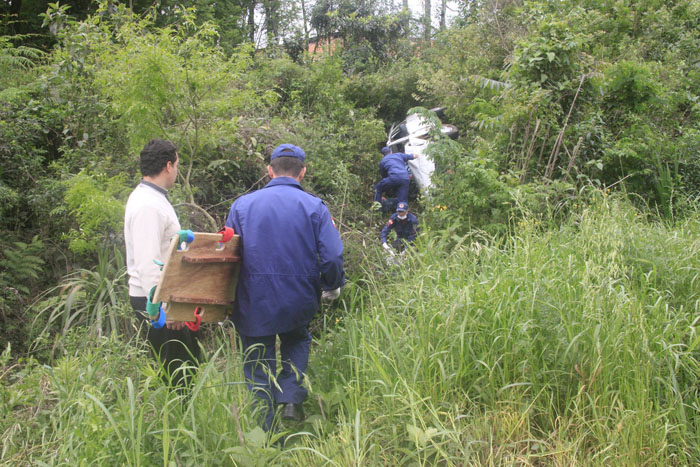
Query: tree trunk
[
  {"x": 426, "y": 20},
  {"x": 443, "y": 13},
  {"x": 407, "y": 21},
  {"x": 251, "y": 21},
  {"x": 272, "y": 21},
  {"x": 306, "y": 26}
]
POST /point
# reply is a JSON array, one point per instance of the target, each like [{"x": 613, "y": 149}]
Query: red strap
[
  {"x": 226, "y": 234},
  {"x": 194, "y": 325}
]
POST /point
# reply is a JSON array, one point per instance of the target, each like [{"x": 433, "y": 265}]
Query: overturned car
[{"x": 413, "y": 136}]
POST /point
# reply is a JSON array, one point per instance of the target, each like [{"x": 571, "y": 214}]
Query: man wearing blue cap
[
  {"x": 291, "y": 256},
  {"x": 393, "y": 168},
  {"x": 405, "y": 224}
]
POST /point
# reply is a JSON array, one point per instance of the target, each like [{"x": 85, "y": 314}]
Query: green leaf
[{"x": 256, "y": 437}]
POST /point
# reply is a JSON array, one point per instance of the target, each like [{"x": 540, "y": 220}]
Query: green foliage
[
  {"x": 88, "y": 299},
  {"x": 392, "y": 90},
  {"x": 16, "y": 61},
  {"x": 631, "y": 86},
  {"x": 469, "y": 192},
  {"x": 499, "y": 308},
  {"x": 575, "y": 344},
  {"x": 97, "y": 203},
  {"x": 225, "y": 16},
  {"x": 165, "y": 82},
  {"x": 21, "y": 267},
  {"x": 688, "y": 149},
  {"x": 370, "y": 36},
  {"x": 28, "y": 129},
  {"x": 536, "y": 338},
  {"x": 559, "y": 99},
  {"x": 553, "y": 54},
  {"x": 340, "y": 141}
]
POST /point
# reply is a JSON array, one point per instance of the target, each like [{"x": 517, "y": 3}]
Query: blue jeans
[
  {"x": 386, "y": 184},
  {"x": 260, "y": 368}
]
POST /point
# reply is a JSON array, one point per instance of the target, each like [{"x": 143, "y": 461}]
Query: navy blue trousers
[
  {"x": 260, "y": 368},
  {"x": 386, "y": 184}
]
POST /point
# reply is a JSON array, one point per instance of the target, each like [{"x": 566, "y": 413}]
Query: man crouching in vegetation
[
  {"x": 405, "y": 224},
  {"x": 149, "y": 224},
  {"x": 290, "y": 251}
]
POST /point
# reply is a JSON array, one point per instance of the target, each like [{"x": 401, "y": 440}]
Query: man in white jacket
[{"x": 149, "y": 224}]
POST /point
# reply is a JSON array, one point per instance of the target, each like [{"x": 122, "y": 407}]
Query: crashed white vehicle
[{"x": 412, "y": 136}]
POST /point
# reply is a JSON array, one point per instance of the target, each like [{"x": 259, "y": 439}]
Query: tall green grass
[
  {"x": 572, "y": 343},
  {"x": 563, "y": 344}
]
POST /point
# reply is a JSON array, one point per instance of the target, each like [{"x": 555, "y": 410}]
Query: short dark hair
[
  {"x": 285, "y": 166},
  {"x": 155, "y": 155}
]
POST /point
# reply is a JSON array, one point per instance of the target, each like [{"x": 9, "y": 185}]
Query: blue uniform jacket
[
  {"x": 394, "y": 165},
  {"x": 405, "y": 229},
  {"x": 290, "y": 250}
]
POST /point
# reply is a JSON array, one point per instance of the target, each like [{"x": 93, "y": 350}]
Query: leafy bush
[
  {"x": 391, "y": 90},
  {"x": 552, "y": 55},
  {"x": 469, "y": 192},
  {"x": 97, "y": 202},
  {"x": 631, "y": 86}
]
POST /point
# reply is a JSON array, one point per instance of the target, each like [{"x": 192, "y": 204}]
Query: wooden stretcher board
[{"x": 204, "y": 274}]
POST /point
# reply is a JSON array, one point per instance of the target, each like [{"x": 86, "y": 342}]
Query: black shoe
[{"x": 291, "y": 411}]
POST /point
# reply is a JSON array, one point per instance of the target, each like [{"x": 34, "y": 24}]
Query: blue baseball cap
[
  {"x": 402, "y": 206},
  {"x": 386, "y": 150},
  {"x": 288, "y": 150}
]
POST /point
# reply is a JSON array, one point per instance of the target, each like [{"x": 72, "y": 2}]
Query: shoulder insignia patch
[{"x": 391, "y": 221}]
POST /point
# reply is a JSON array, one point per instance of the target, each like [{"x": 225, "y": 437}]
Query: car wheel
[{"x": 450, "y": 130}]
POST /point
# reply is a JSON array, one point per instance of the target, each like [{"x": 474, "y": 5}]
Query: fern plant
[
  {"x": 16, "y": 60},
  {"x": 19, "y": 265},
  {"x": 20, "y": 268},
  {"x": 17, "y": 57}
]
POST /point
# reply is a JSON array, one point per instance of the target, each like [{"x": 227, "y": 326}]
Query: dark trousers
[
  {"x": 401, "y": 244},
  {"x": 386, "y": 184},
  {"x": 260, "y": 368},
  {"x": 178, "y": 351}
]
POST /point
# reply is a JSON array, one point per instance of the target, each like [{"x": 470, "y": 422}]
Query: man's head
[
  {"x": 402, "y": 210},
  {"x": 287, "y": 160},
  {"x": 159, "y": 161},
  {"x": 386, "y": 150}
]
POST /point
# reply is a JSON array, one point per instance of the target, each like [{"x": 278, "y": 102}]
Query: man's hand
[
  {"x": 329, "y": 295},
  {"x": 175, "y": 325}
]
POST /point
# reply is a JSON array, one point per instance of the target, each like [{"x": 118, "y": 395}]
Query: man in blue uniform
[
  {"x": 393, "y": 168},
  {"x": 291, "y": 251},
  {"x": 405, "y": 224}
]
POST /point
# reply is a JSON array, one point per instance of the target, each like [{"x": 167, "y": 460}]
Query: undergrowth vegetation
[
  {"x": 548, "y": 315},
  {"x": 559, "y": 344}
]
